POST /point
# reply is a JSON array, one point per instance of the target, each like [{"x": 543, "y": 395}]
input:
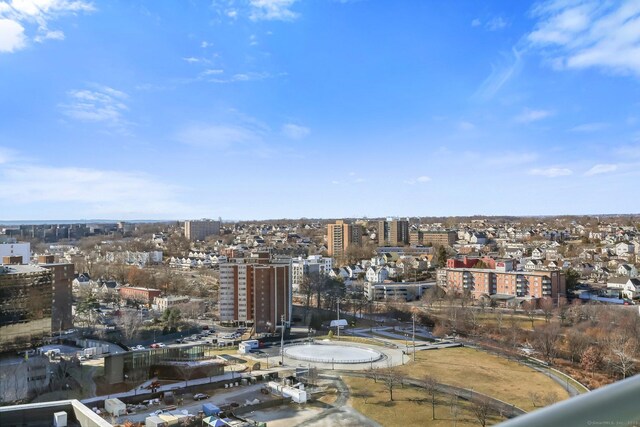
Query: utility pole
[
  {"x": 338, "y": 326},
  {"x": 282, "y": 341}
]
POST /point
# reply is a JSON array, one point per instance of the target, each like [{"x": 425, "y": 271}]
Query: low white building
[
  {"x": 162, "y": 303},
  {"x": 408, "y": 291}
]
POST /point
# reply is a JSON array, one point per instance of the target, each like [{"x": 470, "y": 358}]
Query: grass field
[
  {"x": 486, "y": 373},
  {"x": 411, "y": 406}
]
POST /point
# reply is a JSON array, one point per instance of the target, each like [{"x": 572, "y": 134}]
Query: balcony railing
[{"x": 612, "y": 405}]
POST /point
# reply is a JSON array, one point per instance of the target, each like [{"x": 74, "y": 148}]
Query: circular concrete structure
[{"x": 332, "y": 353}]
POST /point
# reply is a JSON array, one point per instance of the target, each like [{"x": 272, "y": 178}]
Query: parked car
[
  {"x": 200, "y": 396},
  {"x": 179, "y": 340},
  {"x": 137, "y": 347}
]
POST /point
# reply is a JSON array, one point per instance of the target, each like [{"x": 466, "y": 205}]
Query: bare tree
[
  {"x": 431, "y": 386},
  {"x": 499, "y": 320},
  {"x": 129, "y": 323},
  {"x": 529, "y": 308},
  {"x": 374, "y": 374},
  {"x": 546, "y": 305},
  {"x": 577, "y": 342},
  {"x": 622, "y": 354},
  {"x": 546, "y": 340},
  {"x": 482, "y": 410},
  {"x": 562, "y": 310},
  {"x": 391, "y": 379}
]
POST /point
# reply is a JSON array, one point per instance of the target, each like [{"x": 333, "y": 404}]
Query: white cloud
[
  {"x": 496, "y": 23},
  {"x": 500, "y": 75},
  {"x": 272, "y": 10},
  {"x": 552, "y": 172},
  {"x": 590, "y": 127},
  {"x": 466, "y": 126},
  {"x": 6, "y": 155},
  {"x": 295, "y": 131},
  {"x": 12, "y": 36},
  {"x": 49, "y": 35},
  {"x": 18, "y": 16},
  {"x": 601, "y": 168},
  {"x": 242, "y": 77},
  {"x": 212, "y": 72},
  {"x": 102, "y": 104},
  {"x": 219, "y": 136},
  {"x": 419, "y": 180},
  {"x": 529, "y": 116},
  {"x": 589, "y": 33},
  {"x": 476, "y": 23},
  {"x": 191, "y": 59},
  {"x": 629, "y": 151},
  {"x": 205, "y": 44},
  {"x": 92, "y": 191}
]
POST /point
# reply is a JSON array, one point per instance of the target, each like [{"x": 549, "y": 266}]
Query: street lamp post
[
  {"x": 338, "y": 324},
  {"x": 414, "y": 336}
]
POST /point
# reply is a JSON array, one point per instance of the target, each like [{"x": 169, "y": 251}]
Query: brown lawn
[{"x": 485, "y": 373}]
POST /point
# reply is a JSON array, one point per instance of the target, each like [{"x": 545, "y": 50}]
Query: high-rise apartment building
[
  {"x": 61, "y": 282},
  {"x": 201, "y": 229},
  {"x": 341, "y": 235},
  {"x": 254, "y": 291},
  {"x": 26, "y": 295},
  {"x": 393, "y": 232}
]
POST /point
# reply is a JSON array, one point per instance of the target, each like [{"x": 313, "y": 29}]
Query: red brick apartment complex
[
  {"x": 141, "y": 295},
  {"x": 501, "y": 280}
]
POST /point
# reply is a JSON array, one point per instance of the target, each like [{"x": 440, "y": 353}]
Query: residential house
[
  {"x": 629, "y": 287},
  {"x": 628, "y": 270},
  {"x": 624, "y": 249},
  {"x": 377, "y": 274}
]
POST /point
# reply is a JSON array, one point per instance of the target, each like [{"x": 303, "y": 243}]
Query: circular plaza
[{"x": 332, "y": 353}]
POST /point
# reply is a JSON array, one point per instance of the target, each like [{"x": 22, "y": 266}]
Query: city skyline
[{"x": 327, "y": 109}]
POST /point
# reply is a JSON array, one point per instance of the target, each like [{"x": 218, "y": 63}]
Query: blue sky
[{"x": 250, "y": 109}]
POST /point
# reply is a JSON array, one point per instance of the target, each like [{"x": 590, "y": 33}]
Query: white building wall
[
  {"x": 226, "y": 292},
  {"x": 16, "y": 249}
]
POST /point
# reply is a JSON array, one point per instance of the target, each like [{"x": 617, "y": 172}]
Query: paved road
[{"x": 341, "y": 414}]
